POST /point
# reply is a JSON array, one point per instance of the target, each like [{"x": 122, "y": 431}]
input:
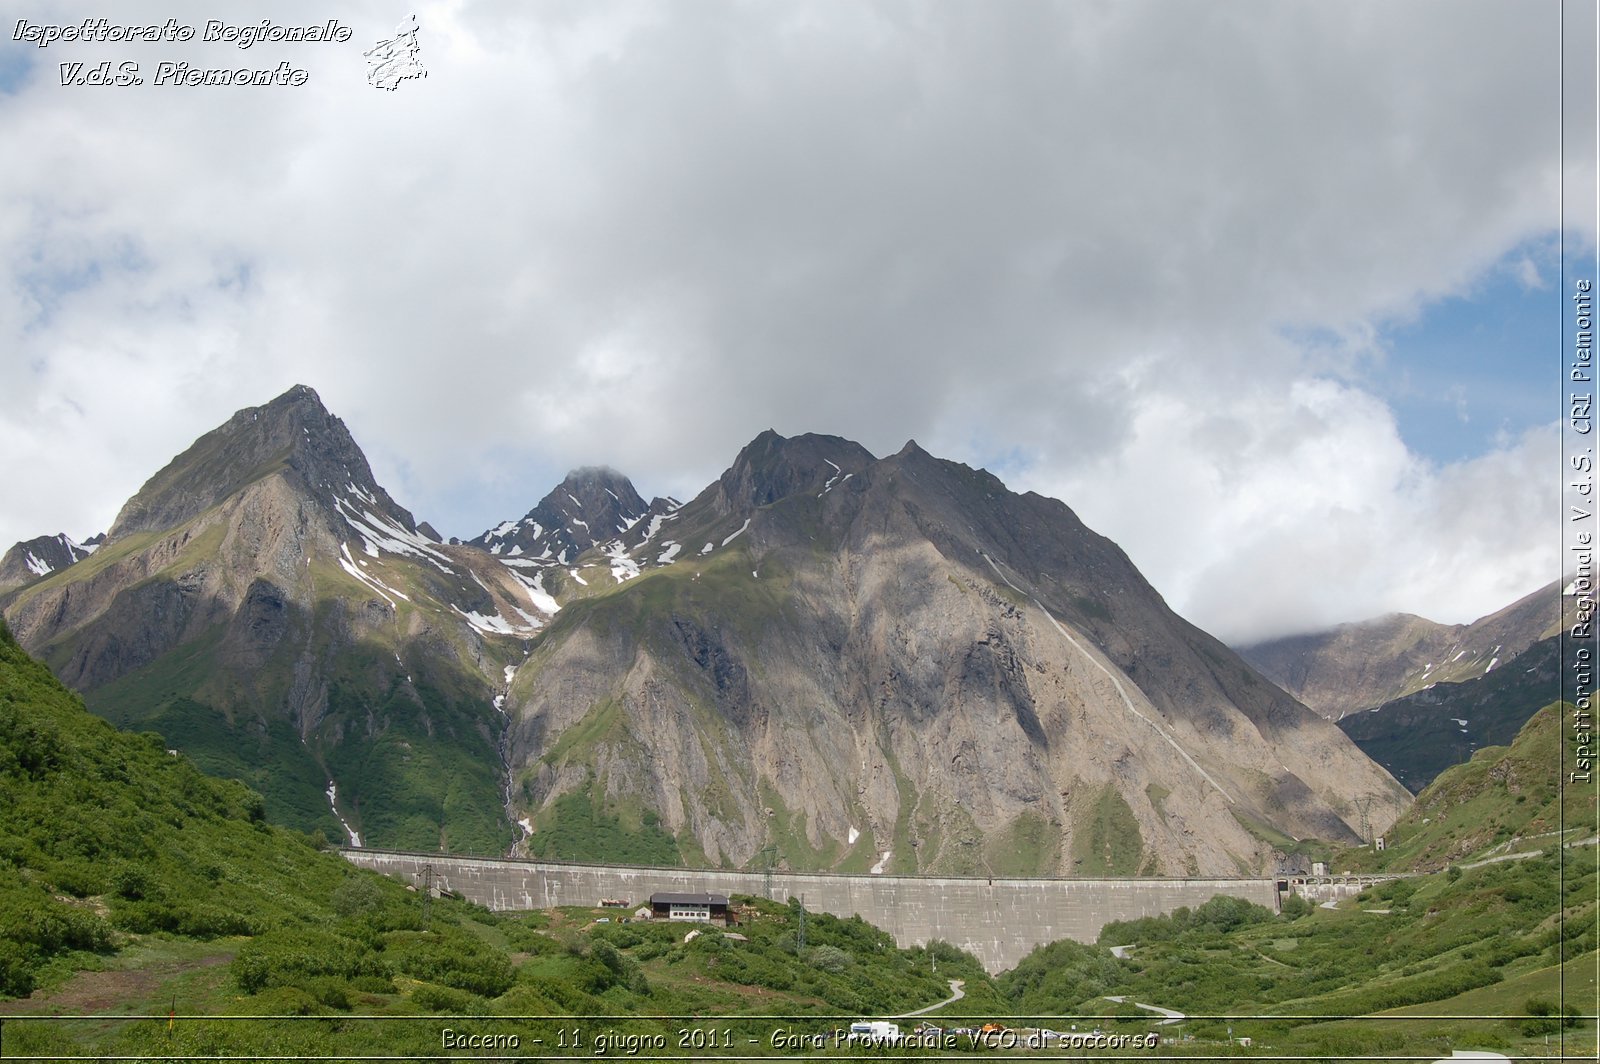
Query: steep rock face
[
  {"x": 34, "y": 558},
  {"x": 293, "y": 436},
  {"x": 901, "y": 665},
  {"x": 1419, "y": 735},
  {"x": 270, "y": 609},
  {"x": 1355, "y": 667},
  {"x": 590, "y": 506}
]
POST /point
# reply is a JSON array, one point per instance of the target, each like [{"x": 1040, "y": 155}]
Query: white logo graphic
[{"x": 395, "y": 60}]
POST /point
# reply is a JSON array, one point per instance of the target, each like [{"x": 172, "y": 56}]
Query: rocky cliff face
[
  {"x": 592, "y": 505},
  {"x": 901, "y": 665},
  {"x": 39, "y": 557}
]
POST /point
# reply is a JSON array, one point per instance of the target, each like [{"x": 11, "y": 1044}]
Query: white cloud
[{"x": 1077, "y": 235}]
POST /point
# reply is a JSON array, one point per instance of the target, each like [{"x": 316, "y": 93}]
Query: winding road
[{"x": 956, "y": 994}]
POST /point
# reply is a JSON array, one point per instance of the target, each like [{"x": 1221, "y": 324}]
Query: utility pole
[
  {"x": 800, "y": 935},
  {"x": 427, "y": 896},
  {"x": 1364, "y": 806},
  {"x": 771, "y": 854}
]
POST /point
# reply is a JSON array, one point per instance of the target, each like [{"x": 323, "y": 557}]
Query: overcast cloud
[{"x": 1139, "y": 256}]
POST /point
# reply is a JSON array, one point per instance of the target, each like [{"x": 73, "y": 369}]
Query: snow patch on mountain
[
  {"x": 541, "y": 599},
  {"x": 737, "y": 533},
  {"x": 488, "y": 625},
  {"x": 623, "y": 568},
  {"x": 379, "y": 534},
  {"x": 348, "y": 564}
]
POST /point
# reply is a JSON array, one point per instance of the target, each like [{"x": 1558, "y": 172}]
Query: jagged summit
[
  {"x": 773, "y": 467},
  {"x": 43, "y": 555},
  {"x": 888, "y": 664},
  {"x": 591, "y": 505},
  {"x": 294, "y": 435}
]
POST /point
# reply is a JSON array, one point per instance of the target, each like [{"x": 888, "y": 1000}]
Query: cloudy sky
[{"x": 1270, "y": 293}]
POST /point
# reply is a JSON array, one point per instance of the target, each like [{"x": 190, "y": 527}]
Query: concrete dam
[{"x": 997, "y": 920}]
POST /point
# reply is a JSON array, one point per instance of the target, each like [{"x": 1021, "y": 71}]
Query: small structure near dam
[{"x": 998, "y": 920}]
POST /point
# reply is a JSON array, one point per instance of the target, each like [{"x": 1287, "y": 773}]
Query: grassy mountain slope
[
  {"x": 1487, "y": 943},
  {"x": 1471, "y": 954},
  {"x": 106, "y": 837},
  {"x": 1505, "y": 800}
]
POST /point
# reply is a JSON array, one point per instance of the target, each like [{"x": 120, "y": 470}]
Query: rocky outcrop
[{"x": 39, "y": 557}]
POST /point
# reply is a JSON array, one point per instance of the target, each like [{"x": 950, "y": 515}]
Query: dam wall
[{"x": 998, "y": 920}]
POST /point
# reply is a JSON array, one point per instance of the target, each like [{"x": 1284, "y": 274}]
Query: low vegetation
[{"x": 132, "y": 885}]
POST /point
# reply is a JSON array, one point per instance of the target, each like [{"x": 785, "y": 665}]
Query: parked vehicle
[{"x": 877, "y": 1031}]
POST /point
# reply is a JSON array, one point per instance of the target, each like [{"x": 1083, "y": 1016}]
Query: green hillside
[
  {"x": 1471, "y": 949},
  {"x": 107, "y": 837},
  {"x": 132, "y": 886},
  {"x": 1505, "y": 800}
]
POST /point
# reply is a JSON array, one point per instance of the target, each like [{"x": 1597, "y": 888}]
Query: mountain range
[
  {"x": 825, "y": 660},
  {"x": 1354, "y": 667},
  {"x": 1419, "y": 696}
]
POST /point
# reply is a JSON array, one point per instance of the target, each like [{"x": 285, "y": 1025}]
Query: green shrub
[
  {"x": 443, "y": 999},
  {"x": 830, "y": 958},
  {"x": 460, "y": 962},
  {"x": 356, "y": 896},
  {"x": 16, "y": 971},
  {"x": 294, "y": 958}
]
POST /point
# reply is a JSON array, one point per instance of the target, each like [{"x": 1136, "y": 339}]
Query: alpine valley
[{"x": 825, "y": 660}]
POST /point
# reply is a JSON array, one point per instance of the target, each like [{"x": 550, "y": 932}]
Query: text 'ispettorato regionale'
[{"x": 169, "y": 72}]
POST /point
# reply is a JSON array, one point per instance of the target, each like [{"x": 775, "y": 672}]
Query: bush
[
  {"x": 356, "y": 896},
  {"x": 830, "y": 958},
  {"x": 442, "y": 999},
  {"x": 1544, "y": 1017},
  {"x": 295, "y": 958},
  {"x": 16, "y": 973},
  {"x": 462, "y": 963}
]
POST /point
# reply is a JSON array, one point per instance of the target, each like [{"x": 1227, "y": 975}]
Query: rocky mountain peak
[
  {"x": 598, "y": 488},
  {"x": 41, "y": 556},
  {"x": 294, "y": 435},
  {"x": 591, "y": 505},
  {"x": 773, "y": 467}
]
